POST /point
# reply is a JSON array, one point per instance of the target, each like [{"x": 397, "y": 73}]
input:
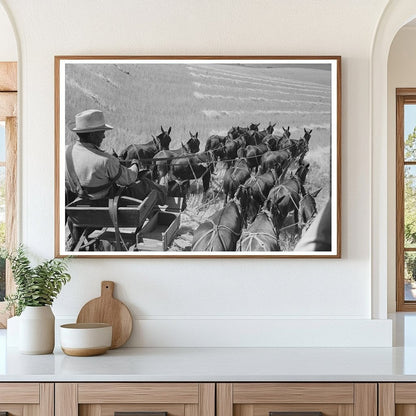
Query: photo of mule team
[{"x": 198, "y": 158}]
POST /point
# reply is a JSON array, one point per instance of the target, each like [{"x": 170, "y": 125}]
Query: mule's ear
[
  {"x": 196, "y": 135},
  {"x": 163, "y": 131},
  {"x": 273, "y": 124},
  {"x": 304, "y": 129},
  {"x": 170, "y": 128},
  {"x": 315, "y": 194}
]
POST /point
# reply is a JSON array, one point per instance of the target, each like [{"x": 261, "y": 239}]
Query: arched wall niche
[{"x": 396, "y": 15}]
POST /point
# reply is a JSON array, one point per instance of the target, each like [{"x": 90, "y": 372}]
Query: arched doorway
[
  {"x": 8, "y": 150},
  {"x": 395, "y": 16}
]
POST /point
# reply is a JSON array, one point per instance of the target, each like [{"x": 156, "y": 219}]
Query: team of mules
[{"x": 263, "y": 185}]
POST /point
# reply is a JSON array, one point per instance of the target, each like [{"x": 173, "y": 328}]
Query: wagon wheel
[{"x": 83, "y": 243}]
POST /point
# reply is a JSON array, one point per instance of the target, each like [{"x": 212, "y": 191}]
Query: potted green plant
[{"x": 36, "y": 289}]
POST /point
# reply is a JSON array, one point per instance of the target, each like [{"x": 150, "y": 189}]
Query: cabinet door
[
  {"x": 397, "y": 399},
  {"x": 297, "y": 399},
  {"x": 26, "y": 399},
  {"x": 142, "y": 399}
]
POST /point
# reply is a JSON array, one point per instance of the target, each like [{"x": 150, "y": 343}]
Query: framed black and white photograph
[{"x": 198, "y": 156}]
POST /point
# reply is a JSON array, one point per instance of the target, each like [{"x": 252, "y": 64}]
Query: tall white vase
[{"x": 37, "y": 330}]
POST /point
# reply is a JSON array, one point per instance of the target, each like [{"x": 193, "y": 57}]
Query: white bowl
[{"x": 84, "y": 340}]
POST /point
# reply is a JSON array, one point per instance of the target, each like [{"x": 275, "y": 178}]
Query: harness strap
[
  {"x": 192, "y": 169},
  {"x": 256, "y": 237},
  {"x": 71, "y": 172},
  {"x": 113, "y": 202}
]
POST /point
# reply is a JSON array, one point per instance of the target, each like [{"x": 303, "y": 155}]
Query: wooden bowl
[{"x": 84, "y": 340}]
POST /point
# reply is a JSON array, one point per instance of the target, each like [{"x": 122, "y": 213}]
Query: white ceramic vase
[{"x": 37, "y": 330}]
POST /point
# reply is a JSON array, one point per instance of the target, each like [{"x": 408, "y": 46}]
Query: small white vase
[{"x": 37, "y": 330}]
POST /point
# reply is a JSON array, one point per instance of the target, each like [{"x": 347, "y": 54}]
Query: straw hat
[{"x": 89, "y": 121}]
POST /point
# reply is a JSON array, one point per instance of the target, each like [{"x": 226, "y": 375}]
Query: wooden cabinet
[
  {"x": 106, "y": 399},
  {"x": 397, "y": 399},
  {"x": 331, "y": 399},
  {"x": 27, "y": 399},
  {"x": 208, "y": 399}
]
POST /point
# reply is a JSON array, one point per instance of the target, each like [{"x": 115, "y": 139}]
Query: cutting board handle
[{"x": 107, "y": 289}]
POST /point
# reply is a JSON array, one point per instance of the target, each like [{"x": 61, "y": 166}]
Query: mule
[
  {"x": 196, "y": 166},
  {"x": 221, "y": 231},
  {"x": 280, "y": 139},
  {"x": 247, "y": 133},
  {"x": 303, "y": 144},
  {"x": 234, "y": 177},
  {"x": 267, "y": 131},
  {"x": 254, "y": 137},
  {"x": 277, "y": 159},
  {"x": 307, "y": 134},
  {"x": 231, "y": 148},
  {"x": 144, "y": 152},
  {"x": 254, "y": 192},
  {"x": 250, "y": 137},
  {"x": 307, "y": 209},
  {"x": 215, "y": 144},
  {"x": 261, "y": 235},
  {"x": 253, "y": 153},
  {"x": 285, "y": 196},
  {"x": 162, "y": 166},
  {"x": 235, "y": 132}
]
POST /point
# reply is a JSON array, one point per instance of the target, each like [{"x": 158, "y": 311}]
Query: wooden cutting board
[{"x": 108, "y": 310}]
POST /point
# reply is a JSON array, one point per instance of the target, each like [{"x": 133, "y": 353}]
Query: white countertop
[
  {"x": 222, "y": 364},
  {"x": 215, "y": 364}
]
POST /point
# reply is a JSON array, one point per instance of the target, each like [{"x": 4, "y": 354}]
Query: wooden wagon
[
  {"x": 158, "y": 233},
  {"x": 125, "y": 223}
]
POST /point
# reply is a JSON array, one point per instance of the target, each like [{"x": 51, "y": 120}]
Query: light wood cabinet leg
[
  {"x": 365, "y": 399},
  {"x": 224, "y": 399},
  {"x": 66, "y": 399}
]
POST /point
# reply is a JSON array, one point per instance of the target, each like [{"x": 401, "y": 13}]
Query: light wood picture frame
[{"x": 237, "y": 156}]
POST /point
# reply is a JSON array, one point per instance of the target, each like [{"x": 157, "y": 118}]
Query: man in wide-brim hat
[{"x": 91, "y": 173}]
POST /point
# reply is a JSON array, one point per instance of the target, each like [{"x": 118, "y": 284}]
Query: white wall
[
  {"x": 8, "y": 46},
  {"x": 401, "y": 74},
  {"x": 202, "y": 302}
]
